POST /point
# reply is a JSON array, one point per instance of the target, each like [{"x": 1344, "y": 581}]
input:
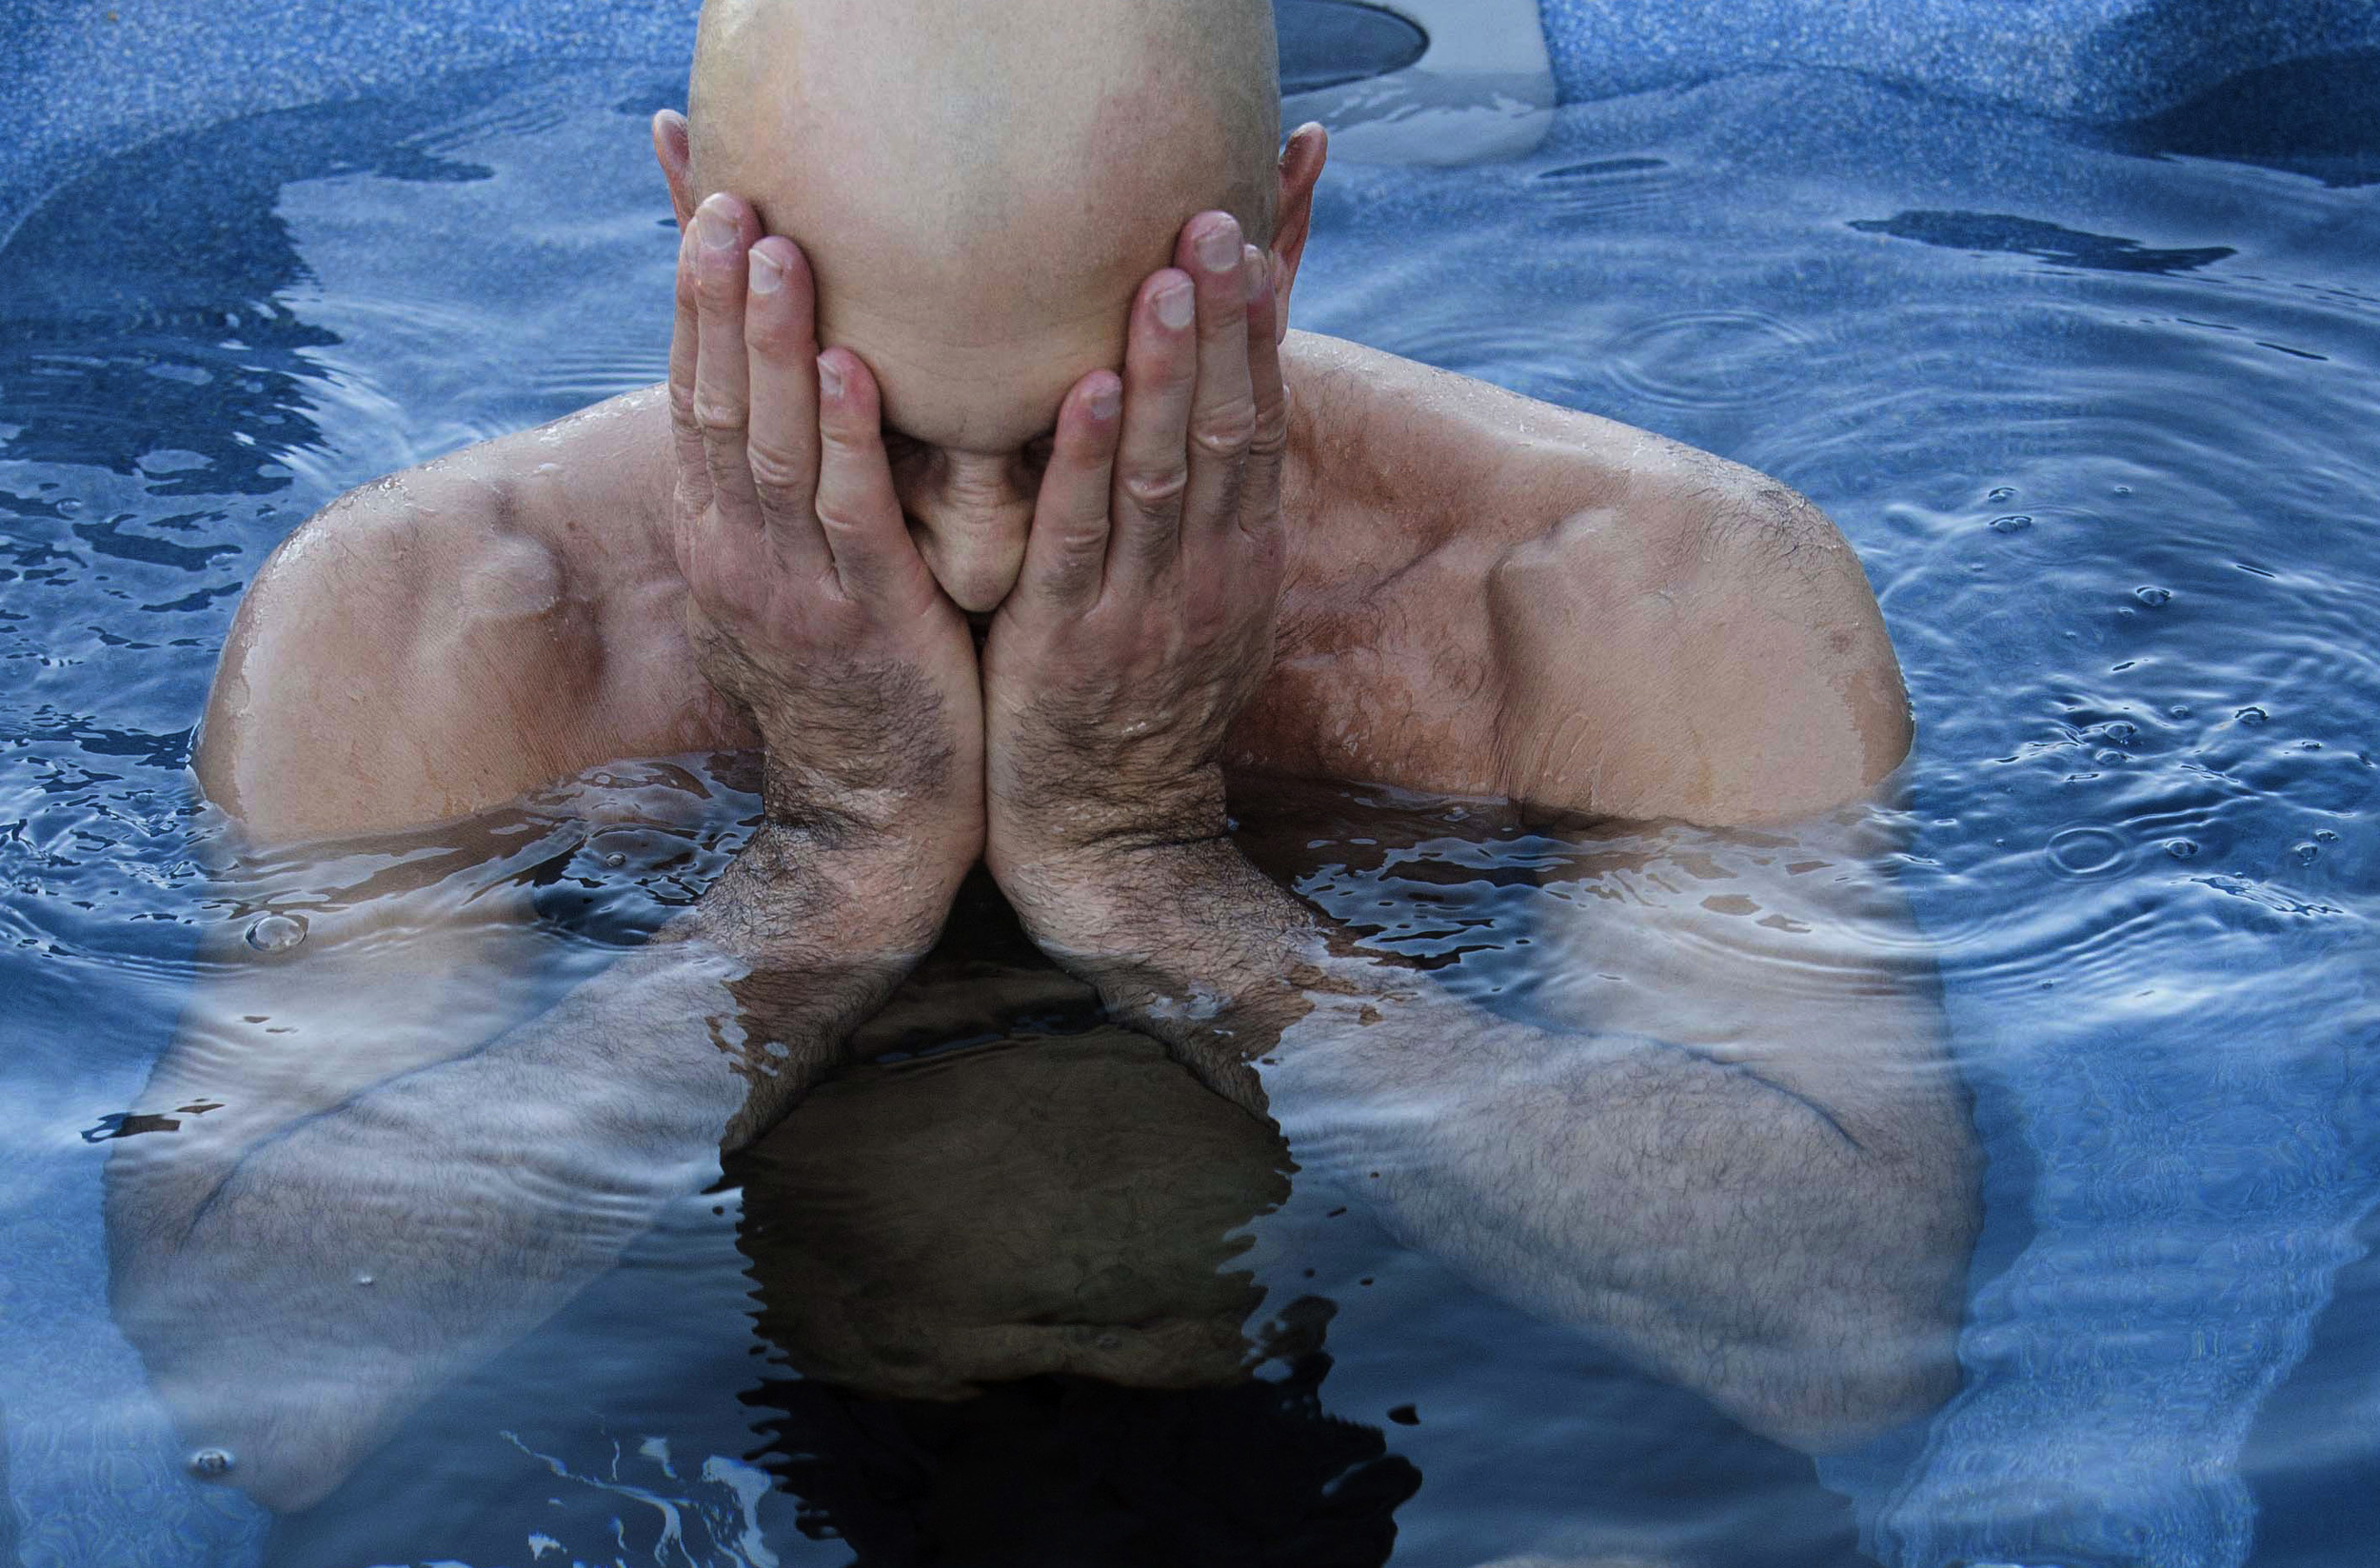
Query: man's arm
[
  {"x": 361, "y": 1202},
  {"x": 1740, "y": 1158},
  {"x": 1704, "y": 647},
  {"x": 1775, "y": 1215}
]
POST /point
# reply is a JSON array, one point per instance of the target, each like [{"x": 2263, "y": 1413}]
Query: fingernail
[
  {"x": 1105, "y": 399},
  {"x": 712, "y": 230},
  {"x": 1218, "y": 248},
  {"x": 768, "y": 277},
  {"x": 1254, "y": 272},
  {"x": 829, "y": 377},
  {"x": 1174, "y": 305}
]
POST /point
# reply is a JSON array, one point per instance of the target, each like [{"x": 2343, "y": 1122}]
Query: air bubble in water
[
  {"x": 212, "y": 1463},
  {"x": 2305, "y": 853},
  {"x": 2086, "y": 851},
  {"x": 2001, "y": 492},
  {"x": 2153, "y": 596},
  {"x": 2181, "y": 849},
  {"x": 2013, "y": 522},
  {"x": 363, "y": 1278},
  {"x": 615, "y": 860},
  {"x": 277, "y": 933},
  {"x": 2252, "y": 716}
]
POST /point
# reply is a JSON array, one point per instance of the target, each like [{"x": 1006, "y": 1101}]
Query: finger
[
  {"x": 1223, "y": 413},
  {"x": 723, "y": 231},
  {"x": 1259, "y": 495},
  {"x": 780, "y": 346},
  {"x": 1152, "y": 461},
  {"x": 858, "y": 510},
  {"x": 1065, "y": 555},
  {"x": 693, "y": 470}
]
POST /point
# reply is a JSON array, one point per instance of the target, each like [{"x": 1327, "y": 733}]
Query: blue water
[{"x": 2099, "y": 419}]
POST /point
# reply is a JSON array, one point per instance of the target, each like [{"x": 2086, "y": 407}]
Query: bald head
[
  {"x": 955, "y": 116},
  {"x": 980, "y": 188}
]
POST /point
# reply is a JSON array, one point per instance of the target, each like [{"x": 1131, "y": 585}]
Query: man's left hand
[{"x": 1142, "y": 622}]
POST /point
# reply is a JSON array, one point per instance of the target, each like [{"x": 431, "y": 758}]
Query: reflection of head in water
[{"x": 1004, "y": 1273}]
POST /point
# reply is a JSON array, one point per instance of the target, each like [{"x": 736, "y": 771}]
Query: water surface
[{"x": 2099, "y": 417}]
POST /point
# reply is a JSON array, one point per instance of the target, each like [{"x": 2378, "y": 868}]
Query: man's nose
[
  {"x": 970, "y": 515},
  {"x": 962, "y": 491}
]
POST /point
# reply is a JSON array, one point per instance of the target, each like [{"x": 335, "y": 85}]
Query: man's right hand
[{"x": 808, "y": 602}]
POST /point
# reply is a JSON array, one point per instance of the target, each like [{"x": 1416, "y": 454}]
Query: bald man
[{"x": 982, "y": 317}]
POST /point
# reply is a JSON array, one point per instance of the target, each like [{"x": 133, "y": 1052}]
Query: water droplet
[
  {"x": 2153, "y": 596},
  {"x": 615, "y": 860},
  {"x": 2305, "y": 853},
  {"x": 277, "y": 933},
  {"x": 2252, "y": 716},
  {"x": 2324, "y": 835},
  {"x": 2086, "y": 851},
  {"x": 2001, "y": 492},
  {"x": 2179, "y": 710},
  {"x": 212, "y": 1463},
  {"x": 2109, "y": 759},
  {"x": 363, "y": 1278},
  {"x": 2013, "y": 522},
  {"x": 2181, "y": 849},
  {"x": 2123, "y": 489}
]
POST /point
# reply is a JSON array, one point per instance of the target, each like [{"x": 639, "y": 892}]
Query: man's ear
[
  {"x": 1293, "y": 212},
  {"x": 675, "y": 149}
]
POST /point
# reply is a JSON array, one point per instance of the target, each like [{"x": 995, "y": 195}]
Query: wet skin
[
  {"x": 1747, "y": 1169},
  {"x": 1478, "y": 593}
]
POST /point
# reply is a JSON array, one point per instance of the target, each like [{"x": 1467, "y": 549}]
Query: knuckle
[
  {"x": 1227, "y": 432},
  {"x": 1156, "y": 489},
  {"x": 777, "y": 469},
  {"x": 841, "y": 518},
  {"x": 1270, "y": 437},
  {"x": 1084, "y": 540},
  {"x": 718, "y": 417}
]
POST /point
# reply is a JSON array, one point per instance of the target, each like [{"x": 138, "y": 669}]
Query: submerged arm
[
  {"x": 1762, "y": 1227},
  {"x": 368, "y": 1213},
  {"x": 1741, "y": 1159},
  {"x": 479, "y": 1189}
]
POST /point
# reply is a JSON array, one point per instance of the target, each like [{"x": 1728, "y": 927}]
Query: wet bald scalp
[{"x": 936, "y": 122}]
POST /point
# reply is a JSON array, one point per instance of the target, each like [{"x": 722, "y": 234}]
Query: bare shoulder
[
  {"x": 1675, "y": 635},
  {"x": 419, "y": 649}
]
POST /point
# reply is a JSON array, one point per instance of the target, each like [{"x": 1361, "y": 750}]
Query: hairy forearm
[
  {"x": 1795, "y": 1261},
  {"x": 294, "y": 1300}
]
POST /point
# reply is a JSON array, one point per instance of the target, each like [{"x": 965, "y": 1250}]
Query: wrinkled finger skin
[
  {"x": 806, "y": 601},
  {"x": 1142, "y": 622}
]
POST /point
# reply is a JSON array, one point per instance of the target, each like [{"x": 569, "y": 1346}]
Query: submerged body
[{"x": 1743, "y": 1162}]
